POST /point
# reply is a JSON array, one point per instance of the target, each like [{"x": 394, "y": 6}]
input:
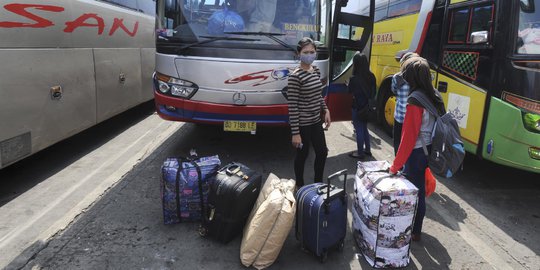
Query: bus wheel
[{"x": 386, "y": 115}]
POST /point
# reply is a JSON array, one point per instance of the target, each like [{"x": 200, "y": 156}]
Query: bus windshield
[
  {"x": 197, "y": 21},
  {"x": 528, "y": 39}
]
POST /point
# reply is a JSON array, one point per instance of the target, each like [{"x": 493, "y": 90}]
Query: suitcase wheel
[
  {"x": 203, "y": 231},
  {"x": 324, "y": 256},
  {"x": 341, "y": 246}
]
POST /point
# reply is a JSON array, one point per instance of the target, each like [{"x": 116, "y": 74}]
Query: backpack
[
  {"x": 368, "y": 113},
  {"x": 447, "y": 148}
]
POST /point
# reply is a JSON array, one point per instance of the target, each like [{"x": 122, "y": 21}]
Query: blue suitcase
[
  {"x": 321, "y": 216},
  {"x": 185, "y": 184}
]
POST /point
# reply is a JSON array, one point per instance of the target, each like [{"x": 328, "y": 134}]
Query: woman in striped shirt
[{"x": 307, "y": 111}]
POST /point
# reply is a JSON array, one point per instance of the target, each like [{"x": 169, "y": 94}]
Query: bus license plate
[{"x": 239, "y": 126}]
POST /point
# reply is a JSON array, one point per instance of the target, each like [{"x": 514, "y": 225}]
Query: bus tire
[{"x": 386, "y": 107}]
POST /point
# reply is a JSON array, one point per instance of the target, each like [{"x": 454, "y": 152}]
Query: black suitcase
[{"x": 232, "y": 196}]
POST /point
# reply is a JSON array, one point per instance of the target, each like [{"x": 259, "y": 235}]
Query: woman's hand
[
  {"x": 327, "y": 119},
  {"x": 392, "y": 170},
  {"x": 296, "y": 141}
]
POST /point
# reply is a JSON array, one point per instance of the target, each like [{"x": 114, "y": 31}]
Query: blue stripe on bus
[
  {"x": 338, "y": 88},
  {"x": 219, "y": 117}
]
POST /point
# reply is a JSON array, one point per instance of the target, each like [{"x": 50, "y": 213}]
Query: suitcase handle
[
  {"x": 321, "y": 188},
  {"x": 232, "y": 169},
  {"x": 235, "y": 169},
  {"x": 337, "y": 175}
]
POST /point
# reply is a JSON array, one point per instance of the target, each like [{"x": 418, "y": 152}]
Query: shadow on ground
[{"x": 25, "y": 174}]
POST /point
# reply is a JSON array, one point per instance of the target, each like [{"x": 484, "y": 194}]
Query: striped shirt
[
  {"x": 304, "y": 93},
  {"x": 401, "y": 88}
]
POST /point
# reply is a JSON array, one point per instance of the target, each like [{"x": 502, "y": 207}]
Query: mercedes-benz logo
[{"x": 239, "y": 98}]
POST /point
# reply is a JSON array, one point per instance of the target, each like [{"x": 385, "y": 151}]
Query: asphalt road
[{"x": 93, "y": 202}]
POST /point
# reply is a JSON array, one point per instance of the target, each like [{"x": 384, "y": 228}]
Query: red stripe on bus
[
  {"x": 424, "y": 33},
  {"x": 279, "y": 109}
]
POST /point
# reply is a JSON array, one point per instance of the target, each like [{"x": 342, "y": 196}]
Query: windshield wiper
[
  {"x": 212, "y": 39},
  {"x": 271, "y": 36}
]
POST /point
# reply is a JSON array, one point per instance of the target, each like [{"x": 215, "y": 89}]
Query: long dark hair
[
  {"x": 360, "y": 64},
  {"x": 361, "y": 71},
  {"x": 417, "y": 73}
]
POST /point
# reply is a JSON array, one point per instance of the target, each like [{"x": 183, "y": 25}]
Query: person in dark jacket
[
  {"x": 417, "y": 127},
  {"x": 362, "y": 86}
]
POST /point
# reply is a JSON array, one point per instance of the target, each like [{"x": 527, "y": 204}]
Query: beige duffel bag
[{"x": 269, "y": 223}]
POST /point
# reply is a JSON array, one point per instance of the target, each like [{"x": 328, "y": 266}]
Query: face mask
[{"x": 308, "y": 58}]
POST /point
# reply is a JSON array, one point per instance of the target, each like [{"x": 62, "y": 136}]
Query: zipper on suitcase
[{"x": 301, "y": 216}]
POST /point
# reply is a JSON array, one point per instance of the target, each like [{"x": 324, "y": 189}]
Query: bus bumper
[
  {"x": 507, "y": 141},
  {"x": 176, "y": 109}
]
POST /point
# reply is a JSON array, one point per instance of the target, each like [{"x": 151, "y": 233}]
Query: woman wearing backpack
[
  {"x": 417, "y": 127},
  {"x": 361, "y": 85}
]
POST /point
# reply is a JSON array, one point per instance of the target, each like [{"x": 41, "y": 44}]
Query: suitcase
[
  {"x": 185, "y": 184},
  {"x": 321, "y": 216},
  {"x": 269, "y": 223},
  {"x": 231, "y": 199},
  {"x": 383, "y": 214}
]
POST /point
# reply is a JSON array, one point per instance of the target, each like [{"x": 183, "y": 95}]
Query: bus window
[
  {"x": 529, "y": 29},
  {"x": 147, "y": 7},
  {"x": 431, "y": 48},
  {"x": 381, "y": 10},
  {"x": 132, "y": 4},
  {"x": 401, "y": 7},
  {"x": 459, "y": 26},
  {"x": 290, "y": 20},
  {"x": 440, "y": 3},
  {"x": 481, "y": 21}
]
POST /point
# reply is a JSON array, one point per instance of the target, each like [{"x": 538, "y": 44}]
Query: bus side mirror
[
  {"x": 479, "y": 37},
  {"x": 527, "y": 6}
]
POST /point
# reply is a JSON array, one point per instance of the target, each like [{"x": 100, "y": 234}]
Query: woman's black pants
[{"x": 311, "y": 135}]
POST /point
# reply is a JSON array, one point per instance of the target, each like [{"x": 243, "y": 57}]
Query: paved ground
[{"x": 93, "y": 202}]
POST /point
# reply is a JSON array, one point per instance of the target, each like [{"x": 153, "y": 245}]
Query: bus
[
  {"x": 485, "y": 59},
  {"x": 68, "y": 65},
  {"x": 226, "y": 62}
]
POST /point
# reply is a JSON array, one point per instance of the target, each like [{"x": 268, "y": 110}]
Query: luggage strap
[
  {"x": 177, "y": 191},
  {"x": 201, "y": 196},
  {"x": 376, "y": 182}
]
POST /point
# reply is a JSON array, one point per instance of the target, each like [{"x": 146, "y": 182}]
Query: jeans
[
  {"x": 362, "y": 134},
  {"x": 414, "y": 170},
  {"x": 311, "y": 135}
]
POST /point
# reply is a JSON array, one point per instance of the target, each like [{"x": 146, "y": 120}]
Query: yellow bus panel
[
  {"x": 391, "y": 36},
  {"x": 467, "y": 105}
]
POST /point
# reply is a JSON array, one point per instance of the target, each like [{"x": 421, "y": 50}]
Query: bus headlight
[
  {"x": 534, "y": 153},
  {"x": 181, "y": 91},
  {"x": 175, "y": 87},
  {"x": 532, "y": 122},
  {"x": 163, "y": 87}
]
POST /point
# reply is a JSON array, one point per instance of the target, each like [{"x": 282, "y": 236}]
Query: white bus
[
  {"x": 68, "y": 65},
  {"x": 226, "y": 62}
]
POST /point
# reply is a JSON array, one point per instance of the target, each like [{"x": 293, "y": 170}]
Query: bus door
[
  {"x": 465, "y": 65},
  {"x": 352, "y": 27},
  {"x": 430, "y": 45}
]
